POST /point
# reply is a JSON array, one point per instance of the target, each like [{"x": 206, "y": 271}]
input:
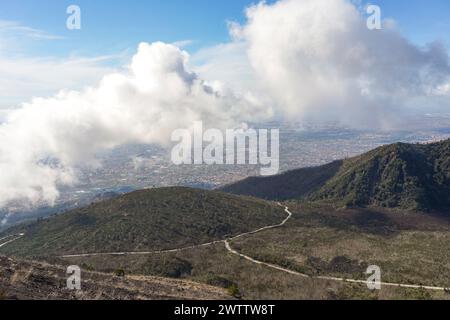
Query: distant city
[{"x": 135, "y": 167}]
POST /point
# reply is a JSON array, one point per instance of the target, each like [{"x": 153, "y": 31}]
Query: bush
[
  {"x": 119, "y": 273},
  {"x": 233, "y": 290},
  {"x": 171, "y": 267},
  {"x": 218, "y": 281},
  {"x": 87, "y": 267}
]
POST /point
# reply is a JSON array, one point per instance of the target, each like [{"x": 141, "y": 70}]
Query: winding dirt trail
[
  {"x": 229, "y": 248},
  {"x": 14, "y": 238},
  {"x": 184, "y": 248},
  {"x": 279, "y": 268}
]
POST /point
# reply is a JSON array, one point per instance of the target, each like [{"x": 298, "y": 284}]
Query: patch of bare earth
[{"x": 37, "y": 280}]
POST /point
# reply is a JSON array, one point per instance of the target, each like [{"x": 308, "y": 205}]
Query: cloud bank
[
  {"x": 44, "y": 140},
  {"x": 317, "y": 59}
]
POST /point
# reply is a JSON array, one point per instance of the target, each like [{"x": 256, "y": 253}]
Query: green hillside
[
  {"x": 144, "y": 220},
  {"x": 401, "y": 175},
  {"x": 407, "y": 176}
]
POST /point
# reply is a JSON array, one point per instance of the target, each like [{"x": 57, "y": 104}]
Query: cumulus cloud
[
  {"x": 44, "y": 140},
  {"x": 317, "y": 59},
  {"x": 443, "y": 90},
  {"x": 229, "y": 63}
]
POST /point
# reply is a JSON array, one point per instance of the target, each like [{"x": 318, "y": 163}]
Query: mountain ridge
[{"x": 401, "y": 175}]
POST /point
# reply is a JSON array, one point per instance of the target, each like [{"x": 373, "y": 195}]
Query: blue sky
[
  {"x": 109, "y": 26},
  {"x": 39, "y": 55},
  {"x": 115, "y": 25}
]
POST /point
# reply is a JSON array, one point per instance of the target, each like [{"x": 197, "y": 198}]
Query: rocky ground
[{"x": 37, "y": 280}]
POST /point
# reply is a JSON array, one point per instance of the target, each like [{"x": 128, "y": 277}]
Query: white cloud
[
  {"x": 4, "y": 114},
  {"x": 317, "y": 59},
  {"x": 443, "y": 90},
  {"x": 44, "y": 140},
  {"x": 229, "y": 63},
  {"x": 183, "y": 43}
]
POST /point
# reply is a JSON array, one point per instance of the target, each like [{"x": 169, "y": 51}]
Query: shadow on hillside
[
  {"x": 365, "y": 221},
  {"x": 293, "y": 184},
  {"x": 377, "y": 221}
]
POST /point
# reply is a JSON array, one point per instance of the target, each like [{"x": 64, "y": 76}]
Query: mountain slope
[
  {"x": 145, "y": 220},
  {"x": 400, "y": 175},
  {"x": 23, "y": 280},
  {"x": 408, "y": 176},
  {"x": 289, "y": 185}
]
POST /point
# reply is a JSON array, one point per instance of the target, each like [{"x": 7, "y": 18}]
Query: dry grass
[
  {"x": 416, "y": 253},
  {"x": 214, "y": 265}
]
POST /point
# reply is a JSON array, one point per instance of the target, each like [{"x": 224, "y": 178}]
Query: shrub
[
  {"x": 171, "y": 267},
  {"x": 218, "y": 281},
  {"x": 233, "y": 290},
  {"x": 119, "y": 273}
]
